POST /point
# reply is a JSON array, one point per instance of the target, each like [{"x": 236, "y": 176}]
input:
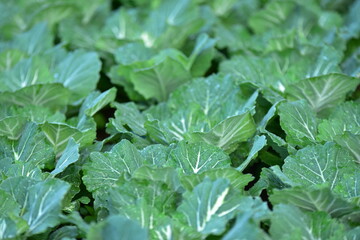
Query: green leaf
[
  {"x": 36, "y": 40},
  {"x": 176, "y": 126},
  {"x": 299, "y": 122},
  {"x": 30, "y": 147},
  {"x": 323, "y": 92},
  {"x": 25, "y": 73},
  {"x": 8, "y": 205},
  {"x": 259, "y": 143},
  {"x": 155, "y": 154},
  {"x": 351, "y": 142},
  {"x": 18, "y": 187},
  {"x": 9, "y": 58},
  {"x": 320, "y": 164},
  {"x": 213, "y": 94},
  {"x": 345, "y": 117},
  {"x": 109, "y": 229},
  {"x": 194, "y": 158},
  {"x": 245, "y": 228},
  {"x": 43, "y": 207},
  {"x": 274, "y": 13},
  {"x": 133, "y": 52},
  {"x": 96, "y": 101},
  {"x": 201, "y": 56},
  {"x": 12, "y": 227},
  {"x": 79, "y": 72},
  {"x": 12, "y": 127},
  {"x": 246, "y": 69},
  {"x": 209, "y": 206},
  {"x": 228, "y": 133},
  {"x": 152, "y": 78},
  {"x": 50, "y": 95},
  {"x": 69, "y": 156},
  {"x": 165, "y": 174},
  {"x": 66, "y": 232},
  {"x": 322, "y": 200},
  {"x": 288, "y": 222},
  {"x": 128, "y": 114},
  {"x": 59, "y": 134},
  {"x": 237, "y": 179},
  {"x": 26, "y": 169},
  {"x": 140, "y": 200},
  {"x": 104, "y": 169}
]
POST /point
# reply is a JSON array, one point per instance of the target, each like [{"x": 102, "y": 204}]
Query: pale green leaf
[
  {"x": 36, "y": 40},
  {"x": 245, "y": 228}
]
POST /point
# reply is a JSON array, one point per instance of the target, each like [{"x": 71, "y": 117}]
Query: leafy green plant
[{"x": 179, "y": 119}]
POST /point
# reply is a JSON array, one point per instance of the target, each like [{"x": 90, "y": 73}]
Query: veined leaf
[
  {"x": 320, "y": 164},
  {"x": 106, "y": 168},
  {"x": 79, "y": 72},
  {"x": 44, "y": 205},
  {"x": 26, "y": 72},
  {"x": 194, "y": 158},
  {"x": 314, "y": 200},
  {"x": 208, "y": 207},
  {"x": 228, "y": 133},
  {"x": 51, "y": 95},
  {"x": 152, "y": 78},
  {"x": 59, "y": 134},
  {"x": 289, "y": 222},
  {"x": 12, "y": 127},
  {"x": 323, "y": 92},
  {"x": 299, "y": 122}
]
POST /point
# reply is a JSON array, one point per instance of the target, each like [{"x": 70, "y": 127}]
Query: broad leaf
[
  {"x": 314, "y": 200},
  {"x": 320, "y": 164},
  {"x": 50, "y": 95},
  {"x": 289, "y": 222},
  {"x": 228, "y": 133},
  {"x": 43, "y": 207},
  {"x": 194, "y": 158},
  {"x": 299, "y": 122},
  {"x": 104, "y": 169},
  {"x": 79, "y": 72},
  {"x": 208, "y": 207},
  {"x": 323, "y": 92}
]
